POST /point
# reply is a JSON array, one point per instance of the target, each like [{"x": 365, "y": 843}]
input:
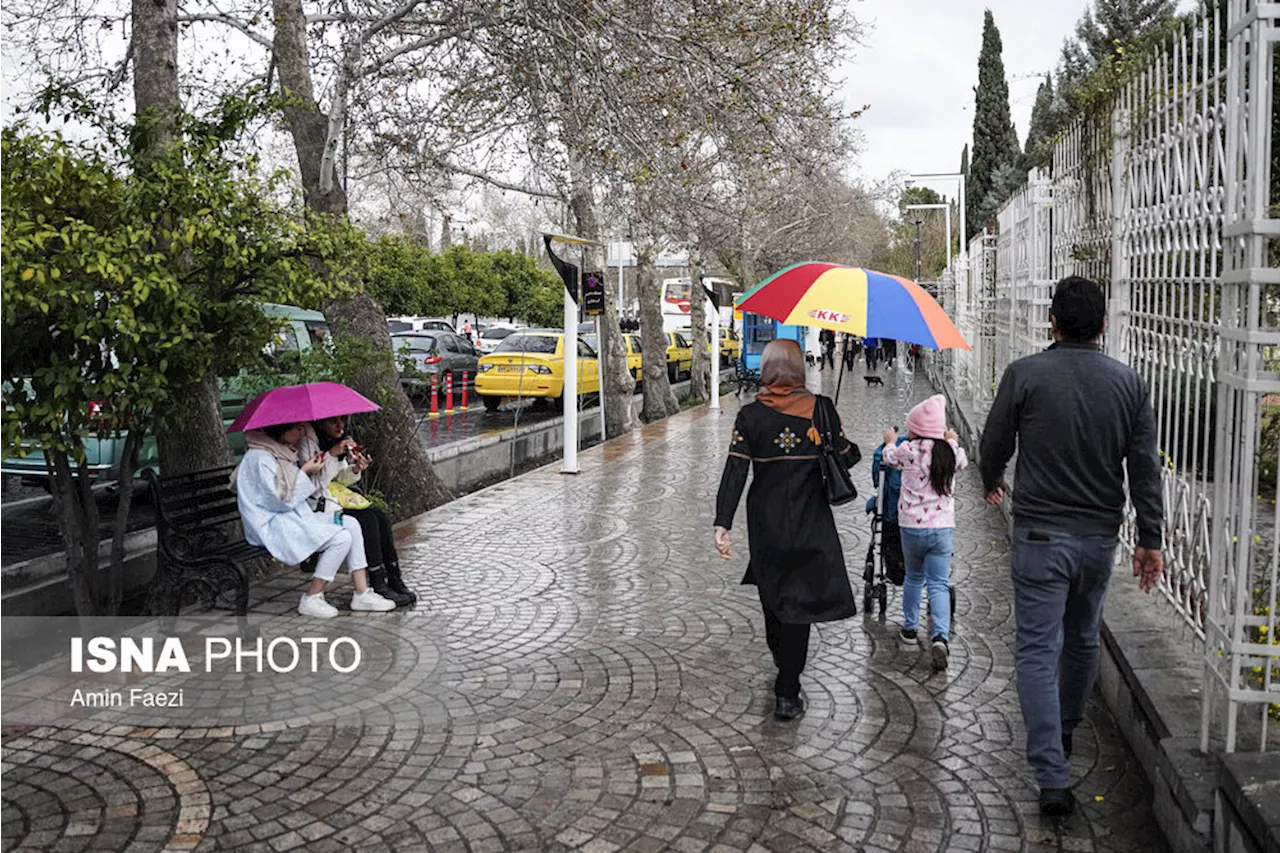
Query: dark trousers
[
  {"x": 873, "y": 357},
  {"x": 828, "y": 357},
  {"x": 1059, "y": 587},
  {"x": 379, "y": 545},
  {"x": 790, "y": 646}
]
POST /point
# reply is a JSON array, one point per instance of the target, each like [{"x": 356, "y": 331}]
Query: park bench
[
  {"x": 746, "y": 378},
  {"x": 202, "y": 550}
]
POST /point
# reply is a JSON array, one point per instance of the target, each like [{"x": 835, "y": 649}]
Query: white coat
[{"x": 290, "y": 531}]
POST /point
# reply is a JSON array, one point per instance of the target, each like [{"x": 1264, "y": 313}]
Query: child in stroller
[{"x": 886, "y": 541}]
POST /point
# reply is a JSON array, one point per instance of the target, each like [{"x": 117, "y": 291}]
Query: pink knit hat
[{"x": 929, "y": 419}]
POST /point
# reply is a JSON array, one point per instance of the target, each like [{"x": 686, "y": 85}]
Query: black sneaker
[
  {"x": 788, "y": 709},
  {"x": 1057, "y": 802},
  {"x": 908, "y": 638},
  {"x": 941, "y": 652}
]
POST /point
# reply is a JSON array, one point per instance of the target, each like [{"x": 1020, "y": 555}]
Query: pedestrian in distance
[
  {"x": 827, "y": 342},
  {"x": 1079, "y": 421},
  {"x": 929, "y": 461},
  {"x": 872, "y": 346},
  {"x": 272, "y": 493},
  {"x": 796, "y": 562}
]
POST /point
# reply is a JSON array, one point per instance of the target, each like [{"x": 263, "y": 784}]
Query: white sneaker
[
  {"x": 315, "y": 605},
  {"x": 370, "y": 600}
]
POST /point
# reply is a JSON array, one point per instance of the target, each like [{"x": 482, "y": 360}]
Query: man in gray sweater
[{"x": 1078, "y": 420}]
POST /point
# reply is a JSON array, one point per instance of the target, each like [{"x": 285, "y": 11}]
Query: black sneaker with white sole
[
  {"x": 941, "y": 653},
  {"x": 908, "y": 638}
]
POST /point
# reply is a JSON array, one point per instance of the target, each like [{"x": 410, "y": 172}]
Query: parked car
[
  {"x": 634, "y": 359},
  {"x": 434, "y": 353},
  {"x": 531, "y": 364},
  {"x": 730, "y": 344},
  {"x": 299, "y": 331},
  {"x": 396, "y": 325},
  {"x": 679, "y": 356},
  {"x": 491, "y": 336}
]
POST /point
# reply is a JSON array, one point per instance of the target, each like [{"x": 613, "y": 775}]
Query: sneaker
[
  {"x": 315, "y": 605},
  {"x": 941, "y": 651},
  {"x": 370, "y": 600},
  {"x": 908, "y": 638},
  {"x": 1056, "y": 802}
]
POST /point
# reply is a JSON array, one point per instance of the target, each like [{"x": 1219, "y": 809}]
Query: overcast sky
[{"x": 918, "y": 65}]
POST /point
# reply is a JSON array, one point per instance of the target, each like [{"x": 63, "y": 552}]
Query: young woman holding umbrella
[
  {"x": 272, "y": 493},
  {"x": 273, "y": 490}
]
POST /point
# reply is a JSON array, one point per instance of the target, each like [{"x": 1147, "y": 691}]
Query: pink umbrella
[{"x": 312, "y": 402}]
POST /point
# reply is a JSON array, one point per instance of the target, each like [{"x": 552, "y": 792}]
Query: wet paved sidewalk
[{"x": 597, "y": 680}]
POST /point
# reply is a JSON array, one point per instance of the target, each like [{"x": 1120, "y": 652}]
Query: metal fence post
[{"x": 1117, "y": 341}]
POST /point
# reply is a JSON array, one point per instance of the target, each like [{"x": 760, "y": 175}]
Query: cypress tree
[
  {"x": 995, "y": 141},
  {"x": 1042, "y": 130}
]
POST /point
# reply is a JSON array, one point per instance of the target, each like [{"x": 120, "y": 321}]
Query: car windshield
[
  {"x": 496, "y": 334},
  {"x": 417, "y": 343},
  {"x": 541, "y": 344},
  {"x": 591, "y": 341},
  {"x": 394, "y": 326}
]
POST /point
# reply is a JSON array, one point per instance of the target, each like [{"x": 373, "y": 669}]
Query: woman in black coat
[{"x": 797, "y": 563}]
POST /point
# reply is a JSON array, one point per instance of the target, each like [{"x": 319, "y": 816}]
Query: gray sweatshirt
[{"x": 1078, "y": 420}]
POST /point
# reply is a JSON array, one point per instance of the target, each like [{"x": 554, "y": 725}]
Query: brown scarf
[{"x": 795, "y": 400}]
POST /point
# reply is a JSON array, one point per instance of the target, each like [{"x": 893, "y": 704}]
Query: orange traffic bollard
[
  {"x": 448, "y": 393},
  {"x": 465, "y": 378},
  {"x": 435, "y": 397}
]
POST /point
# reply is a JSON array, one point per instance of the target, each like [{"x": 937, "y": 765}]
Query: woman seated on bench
[
  {"x": 272, "y": 493},
  {"x": 343, "y": 464}
]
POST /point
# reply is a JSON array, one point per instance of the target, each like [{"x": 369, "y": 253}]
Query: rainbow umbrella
[{"x": 859, "y": 301}]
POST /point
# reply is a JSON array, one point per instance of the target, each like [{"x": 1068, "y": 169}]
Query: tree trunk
[
  {"x": 700, "y": 373},
  {"x": 113, "y": 591},
  {"x": 619, "y": 387},
  {"x": 404, "y": 474},
  {"x": 77, "y": 514},
  {"x": 196, "y": 439},
  {"x": 659, "y": 400}
]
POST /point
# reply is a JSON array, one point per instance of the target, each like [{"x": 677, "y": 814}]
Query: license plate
[{"x": 509, "y": 368}]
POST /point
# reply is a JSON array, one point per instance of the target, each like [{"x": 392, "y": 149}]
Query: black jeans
[
  {"x": 379, "y": 545},
  {"x": 828, "y": 357},
  {"x": 789, "y": 643}
]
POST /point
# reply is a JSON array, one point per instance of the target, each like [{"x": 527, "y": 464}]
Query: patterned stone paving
[{"x": 587, "y": 675}]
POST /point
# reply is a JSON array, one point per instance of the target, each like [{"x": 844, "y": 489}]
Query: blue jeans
[
  {"x": 1060, "y": 584},
  {"x": 927, "y": 553}
]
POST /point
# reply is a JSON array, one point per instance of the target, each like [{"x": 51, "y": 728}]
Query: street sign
[{"x": 593, "y": 293}]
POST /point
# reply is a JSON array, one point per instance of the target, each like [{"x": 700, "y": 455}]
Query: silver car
[{"x": 434, "y": 353}]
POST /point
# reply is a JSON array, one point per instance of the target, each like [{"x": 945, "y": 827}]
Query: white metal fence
[{"x": 1166, "y": 198}]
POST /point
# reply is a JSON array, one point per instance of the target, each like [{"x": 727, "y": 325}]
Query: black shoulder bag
[{"x": 840, "y": 488}]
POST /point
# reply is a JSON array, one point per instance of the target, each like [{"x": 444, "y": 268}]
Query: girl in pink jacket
[{"x": 929, "y": 461}]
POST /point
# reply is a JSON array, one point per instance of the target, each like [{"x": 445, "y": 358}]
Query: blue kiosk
[{"x": 758, "y": 331}]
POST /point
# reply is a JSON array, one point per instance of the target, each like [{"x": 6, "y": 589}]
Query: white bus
[{"x": 677, "y": 303}]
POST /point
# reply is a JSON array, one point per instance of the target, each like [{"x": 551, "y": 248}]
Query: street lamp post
[
  {"x": 917, "y": 223},
  {"x": 926, "y": 177},
  {"x": 947, "y": 209}
]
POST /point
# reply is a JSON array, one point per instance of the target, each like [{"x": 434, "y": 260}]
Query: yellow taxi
[
  {"x": 679, "y": 356},
  {"x": 530, "y": 363},
  {"x": 634, "y": 359},
  {"x": 730, "y": 345}
]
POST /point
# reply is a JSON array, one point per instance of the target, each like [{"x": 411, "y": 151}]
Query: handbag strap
[{"x": 822, "y": 420}]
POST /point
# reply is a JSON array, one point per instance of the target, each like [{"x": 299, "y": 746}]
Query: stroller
[{"x": 885, "y": 564}]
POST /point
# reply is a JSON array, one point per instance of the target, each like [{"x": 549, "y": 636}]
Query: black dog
[
  {"x": 810, "y": 358},
  {"x": 873, "y": 380}
]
